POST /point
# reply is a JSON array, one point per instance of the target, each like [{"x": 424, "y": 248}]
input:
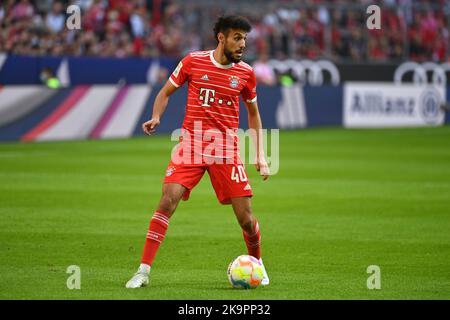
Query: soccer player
[{"x": 216, "y": 80}]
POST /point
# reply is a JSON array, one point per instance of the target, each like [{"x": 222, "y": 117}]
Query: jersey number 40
[{"x": 239, "y": 174}]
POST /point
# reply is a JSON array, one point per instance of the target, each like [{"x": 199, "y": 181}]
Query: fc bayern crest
[
  {"x": 169, "y": 171},
  {"x": 234, "y": 82}
]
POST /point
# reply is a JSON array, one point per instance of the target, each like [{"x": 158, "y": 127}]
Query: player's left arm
[{"x": 255, "y": 124}]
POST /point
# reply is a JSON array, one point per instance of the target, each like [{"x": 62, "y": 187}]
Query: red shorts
[{"x": 228, "y": 180}]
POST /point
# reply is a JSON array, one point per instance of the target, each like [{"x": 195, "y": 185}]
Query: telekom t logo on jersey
[{"x": 206, "y": 98}]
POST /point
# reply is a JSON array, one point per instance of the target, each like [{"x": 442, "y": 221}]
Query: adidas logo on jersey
[
  {"x": 205, "y": 77},
  {"x": 247, "y": 187}
]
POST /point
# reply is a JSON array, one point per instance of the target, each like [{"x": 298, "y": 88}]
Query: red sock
[
  {"x": 253, "y": 241},
  {"x": 155, "y": 235}
]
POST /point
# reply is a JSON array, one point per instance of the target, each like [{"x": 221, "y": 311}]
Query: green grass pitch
[{"x": 342, "y": 200}]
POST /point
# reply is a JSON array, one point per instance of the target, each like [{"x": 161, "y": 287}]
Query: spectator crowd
[{"x": 411, "y": 29}]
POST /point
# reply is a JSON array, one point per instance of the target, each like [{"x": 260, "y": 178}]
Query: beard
[{"x": 231, "y": 57}]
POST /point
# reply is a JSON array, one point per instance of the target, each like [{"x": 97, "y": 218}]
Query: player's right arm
[
  {"x": 176, "y": 80},
  {"x": 159, "y": 106}
]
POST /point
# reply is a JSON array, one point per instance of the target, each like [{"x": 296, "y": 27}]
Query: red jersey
[{"x": 212, "y": 108}]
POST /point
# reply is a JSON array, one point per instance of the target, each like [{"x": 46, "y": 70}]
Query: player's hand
[
  {"x": 263, "y": 168},
  {"x": 149, "y": 126}
]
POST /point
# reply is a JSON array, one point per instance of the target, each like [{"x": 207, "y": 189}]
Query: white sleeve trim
[
  {"x": 173, "y": 82},
  {"x": 253, "y": 100}
]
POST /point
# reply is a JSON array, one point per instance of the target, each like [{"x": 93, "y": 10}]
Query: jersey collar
[{"x": 222, "y": 66}]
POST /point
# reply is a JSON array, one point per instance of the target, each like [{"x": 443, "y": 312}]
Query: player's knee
[
  {"x": 168, "y": 204},
  {"x": 246, "y": 220}
]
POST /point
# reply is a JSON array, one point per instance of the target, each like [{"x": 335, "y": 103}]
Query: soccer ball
[{"x": 245, "y": 272}]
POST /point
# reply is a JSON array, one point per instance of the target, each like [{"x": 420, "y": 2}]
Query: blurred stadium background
[
  {"x": 132, "y": 46},
  {"x": 416, "y": 30},
  {"x": 368, "y": 185}
]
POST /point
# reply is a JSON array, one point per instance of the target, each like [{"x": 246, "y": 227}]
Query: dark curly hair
[{"x": 225, "y": 23}]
